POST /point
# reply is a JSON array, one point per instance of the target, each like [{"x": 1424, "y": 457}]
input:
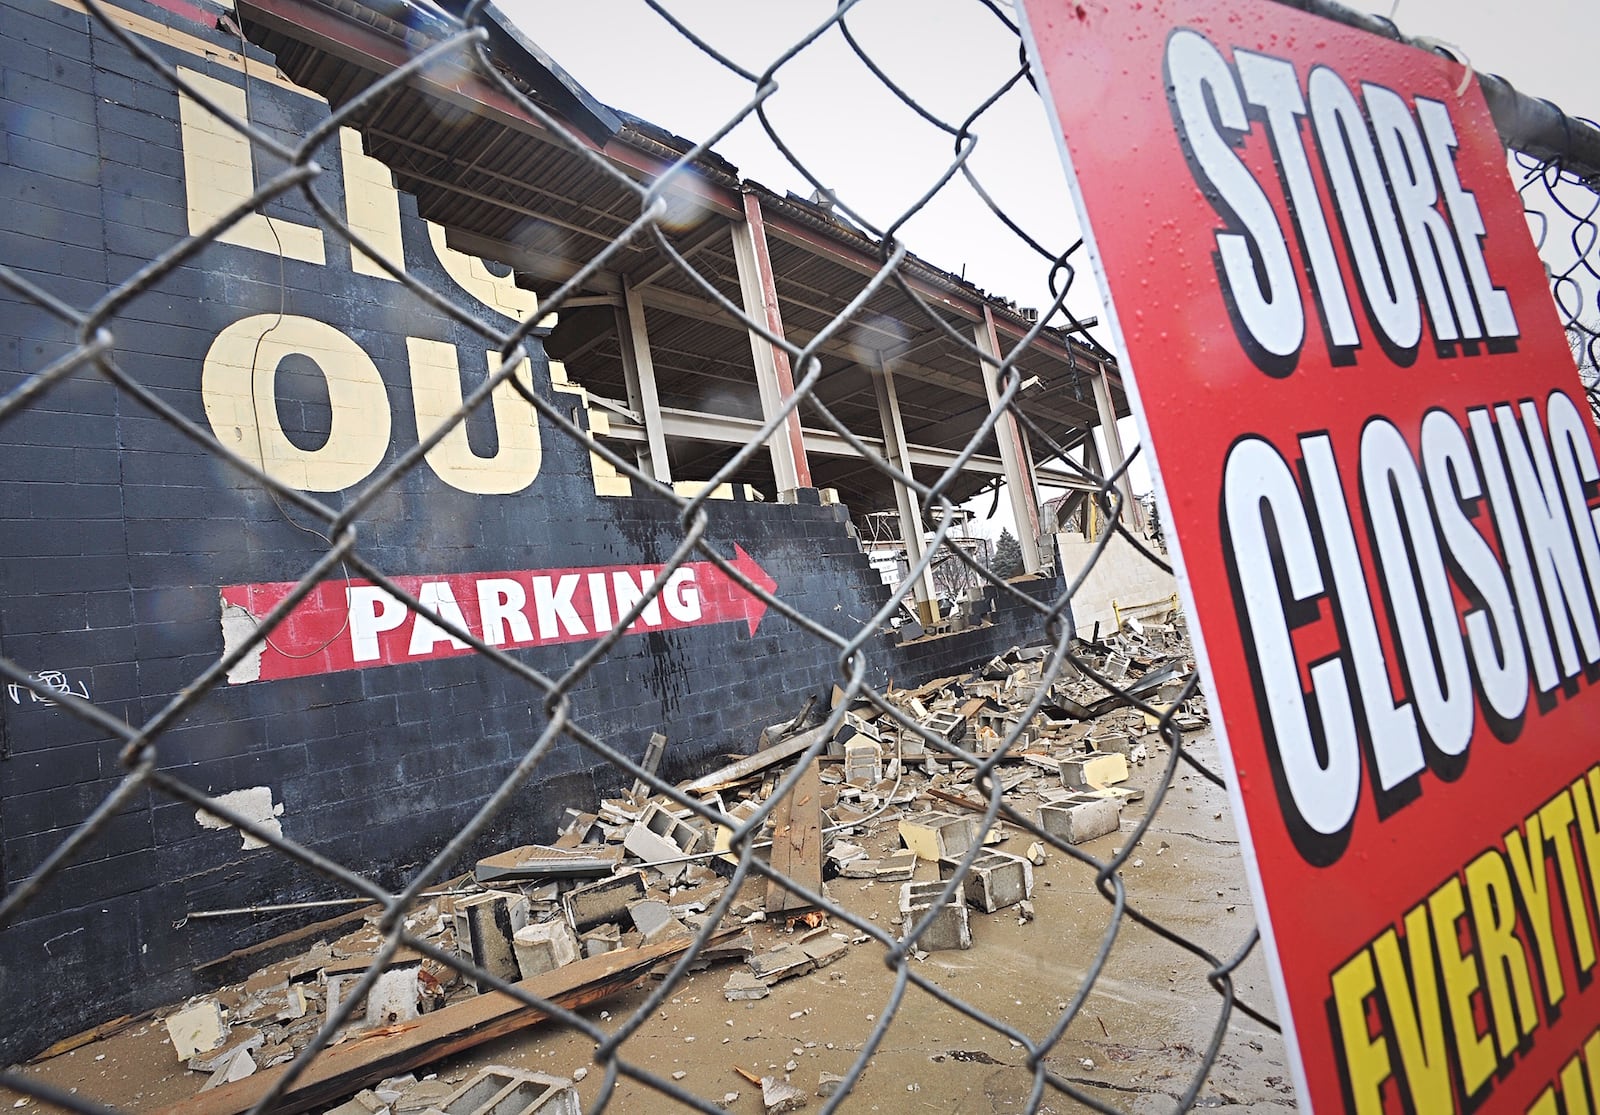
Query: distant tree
[{"x": 1007, "y": 561}]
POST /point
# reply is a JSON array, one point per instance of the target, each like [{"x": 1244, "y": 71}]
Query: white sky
[{"x": 950, "y": 55}]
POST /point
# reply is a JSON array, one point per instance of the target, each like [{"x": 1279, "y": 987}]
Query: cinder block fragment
[
  {"x": 485, "y": 924},
  {"x": 994, "y": 881},
  {"x": 936, "y": 836},
  {"x": 951, "y": 929},
  {"x": 394, "y": 995},
  {"x": 658, "y": 838},
  {"x": 824, "y": 950},
  {"x": 1093, "y": 771},
  {"x": 780, "y": 964},
  {"x": 654, "y": 921},
  {"x": 602, "y": 939},
  {"x": 743, "y": 985},
  {"x": 544, "y": 947},
  {"x": 948, "y": 726},
  {"x": 606, "y": 900},
  {"x": 196, "y": 1029},
  {"x": 1080, "y": 823},
  {"x": 499, "y": 1090},
  {"x": 863, "y": 762}
]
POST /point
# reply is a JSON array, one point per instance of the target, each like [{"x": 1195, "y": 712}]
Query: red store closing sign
[{"x": 1331, "y": 312}]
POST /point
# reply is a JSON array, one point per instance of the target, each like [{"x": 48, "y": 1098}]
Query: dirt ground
[{"x": 1137, "y": 1043}]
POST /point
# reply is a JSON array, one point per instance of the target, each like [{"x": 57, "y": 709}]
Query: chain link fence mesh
[{"x": 1562, "y": 207}]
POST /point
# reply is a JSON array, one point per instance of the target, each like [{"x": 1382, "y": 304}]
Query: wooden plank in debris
[
  {"x": 734, "y": 773},
  {"x": 797, "y": 843},
  {"x": 345, "y": 1069},
  {"x": 236, "y": 965}
]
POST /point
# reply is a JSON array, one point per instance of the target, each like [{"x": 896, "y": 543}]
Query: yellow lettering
[
  {"x": 1528, "y": 867},
  {"x": 1505, "y": 962},
  {"x": 371, "y": 207},
  {"x": 1586, "y": 801},
  {"x": 238, "y": 389},
  {"x": 1474, "y": 1049},
  {"x": 1546, "y": 1103},
  {"x": 1574, "y": 1095},
  {"x": 1366, "y": 1058},
  {"x": 436, "y": 392},
  {"x": 1557, "y": 817},
  {"x": 1415, "y": 1012},
  {"x": 219, "y": 173},
  {"x": 1591, "y": 1057},
  {"x": 498, "y": 292}
]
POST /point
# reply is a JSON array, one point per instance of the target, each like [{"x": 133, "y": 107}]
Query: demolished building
[{"x": 136, "y": 557}]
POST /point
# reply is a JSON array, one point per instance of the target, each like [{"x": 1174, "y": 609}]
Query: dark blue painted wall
[{"x": 116, "y": 533}]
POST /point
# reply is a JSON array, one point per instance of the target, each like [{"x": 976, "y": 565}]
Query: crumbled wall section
[{"x": 117, "y": 536}]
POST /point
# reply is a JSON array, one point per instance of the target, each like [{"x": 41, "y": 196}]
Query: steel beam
[
  {"x": 773, "y": 376},
  {"x": 906, "y": 501},
  {"x": 1021, "y": 487},
  {"x": 639, "y": 371},
  {"x": 1114, "y": 454}
]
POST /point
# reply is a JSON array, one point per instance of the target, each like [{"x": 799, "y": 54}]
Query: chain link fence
[{"x": 1562, "y": 205}]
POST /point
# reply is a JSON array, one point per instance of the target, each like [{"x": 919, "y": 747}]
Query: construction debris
[{"x": 625, "y": 889}]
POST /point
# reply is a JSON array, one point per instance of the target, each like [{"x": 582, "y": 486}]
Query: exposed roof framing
[{"x": 508, "y": 187}]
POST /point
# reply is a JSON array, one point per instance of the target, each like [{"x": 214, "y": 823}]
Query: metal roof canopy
[{"x": 508, "y": 188}]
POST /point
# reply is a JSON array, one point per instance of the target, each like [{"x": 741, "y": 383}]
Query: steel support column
[
  {"x": 773, "y": 376},
  {"x": 1020, "y": 484},
  {"x": 910, "y": 506},
  {"x": 639, "y": 371},
  {"x": 1115, "y": 457}
]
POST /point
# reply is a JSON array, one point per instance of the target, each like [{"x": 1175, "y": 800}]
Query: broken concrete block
[
  {"x": 994, "y": 881},
  {"x": 423, "y": 1096},
  {"x": 948, "y": 726},
  {"x": 778, "y": 1095},
  {"x": 742, "y": 985},
  {"x": 781, "y": 963},
  {"x": 499, "y": 1090},
  {"x": 658, "y": 838},
  {"x": 912, "y": 746},
  {"x": 654, "y": 921},
  {"x": 394, "y": 997},
  {"x": 607, "y": 900},
  {"x": 1080, "y": 823},
  {"x": 1093, "y": 771},
  {"x": 936, "y": 836},
  {"x": 240, "y": 1039},
  {"x": 196, "y": 1029},
  {"x": 863, "y": 762},
  {"x": 828, "y": 1084},
  {"x": 485, "y": 924},
  {"x": 951, "y": 929},
  {"x": 236, "y": 1066},
  {"x": 891, "y": 869},
  {"x": 602, "y": 939},
  {"x": 824, "y": 950},
  {"x": 364, "y": 1102},
  {"x": 544, "y": 947}
]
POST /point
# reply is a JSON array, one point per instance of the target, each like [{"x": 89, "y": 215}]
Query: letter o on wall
[{"x": 237, "y": 387}]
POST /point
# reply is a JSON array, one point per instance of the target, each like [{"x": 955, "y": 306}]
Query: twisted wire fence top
[{"x": 474, "y": 42}]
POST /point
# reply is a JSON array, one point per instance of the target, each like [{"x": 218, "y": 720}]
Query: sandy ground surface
[{"x": 1136, "y": 1045}]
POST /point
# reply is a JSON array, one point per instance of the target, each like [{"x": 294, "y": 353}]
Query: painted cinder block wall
[{"x": 116, "y": 534}]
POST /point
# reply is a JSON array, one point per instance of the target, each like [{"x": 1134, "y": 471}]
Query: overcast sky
[{"x": 879, "y": 156}]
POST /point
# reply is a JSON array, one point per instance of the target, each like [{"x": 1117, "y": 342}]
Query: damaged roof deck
[{"x": 676, "y": 372}]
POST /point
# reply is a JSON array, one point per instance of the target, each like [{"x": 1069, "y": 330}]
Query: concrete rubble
[{"x": 643, "y": 868}]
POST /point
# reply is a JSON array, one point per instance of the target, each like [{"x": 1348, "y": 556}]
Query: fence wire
[{"x": 1562, "y": 210}]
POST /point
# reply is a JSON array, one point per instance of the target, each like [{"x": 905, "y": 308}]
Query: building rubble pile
[{"x": 641, "y": 869}]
